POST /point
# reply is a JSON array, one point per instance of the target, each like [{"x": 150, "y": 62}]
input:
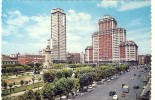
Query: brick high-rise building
[
  {"x": 107, "y": 23},
  {"x": 129, "y": 52},
  {"x": 107, "y": 40},
  {"x": 58, "y": 35}
]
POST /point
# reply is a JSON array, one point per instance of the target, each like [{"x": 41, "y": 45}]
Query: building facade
[
  {"x": 58, "y": 35},
  {"x": 73, "y": 58},
  {"x": 31, "y": 59},
  {"x": 106, "y": 41},
  {"x": 12, "y": 59},
  {"x": 144, "y": 59},
  {"x": 129, "y": 52},
  {"x": 89, "y": 54}
]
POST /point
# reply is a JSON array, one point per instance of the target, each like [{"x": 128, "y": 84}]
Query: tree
[
  {"x": 49, "y": 76},
  {"x": 48, "y": 91},
  {"x": 37, "y": 95},
  {"x": 14, "y": 83},
  {"x": 10, "y": 85},
  {"x": 83, "y": 80},
  {"x": 67, "y": 73},
  {"x": 26, "y": 82},
  {"x": 61, "y": 87},
  {"x": 29, "y": 95},
  {"x": 21, "y": 82},
  {"x": 59, "y": 74},
  {"x": 4, "y": 84}
]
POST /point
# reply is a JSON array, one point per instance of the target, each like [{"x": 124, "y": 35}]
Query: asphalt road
[{"x": 102, "y": 92}]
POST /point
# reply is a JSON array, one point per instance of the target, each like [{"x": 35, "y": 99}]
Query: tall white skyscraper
[{"x": 58, "y": 35}]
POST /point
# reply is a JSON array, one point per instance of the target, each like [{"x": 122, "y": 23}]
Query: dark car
[
  {"x": 135, "y": 87},
  {"x": 134, "y": 74},
  {"x": 111, "y": 93},
  {"x": 139, "y": 75}
]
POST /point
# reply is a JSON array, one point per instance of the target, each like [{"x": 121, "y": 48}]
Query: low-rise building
[
  {"x": 73, "y": 58},
  {"x": 144, "y": 59},
  {"x": 31, "y": 59},
  {"x": 9, "y": 60}
]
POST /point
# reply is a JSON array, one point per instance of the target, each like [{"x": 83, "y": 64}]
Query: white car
[
  {"x": 131, "y": 78},
  {"x": 144, "y": 87},
  {"x": 108, "y": 80},
  {"x": 115, "y": 97}
]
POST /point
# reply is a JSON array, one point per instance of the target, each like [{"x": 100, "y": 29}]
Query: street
[{"x": 102, "y": 92}]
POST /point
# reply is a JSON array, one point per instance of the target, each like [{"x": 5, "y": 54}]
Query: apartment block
[{"x": 58, "y": 35}]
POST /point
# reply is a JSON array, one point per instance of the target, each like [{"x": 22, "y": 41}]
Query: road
[{"x": 102, "y": 92}]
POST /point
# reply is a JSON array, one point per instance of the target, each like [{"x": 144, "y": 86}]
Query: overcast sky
[{"x": 26, "y": 24}]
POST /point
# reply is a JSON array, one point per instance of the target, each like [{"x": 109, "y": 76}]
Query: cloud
[
  {"x": 19, "y": 25},
  {"x": 32, "y": 28},
  {"x": 134, "y": 23},
  {"x": 80, "y": 27},
  {"x": 121, "y": 5},
  {"x": 134, "y": 5},
  {"x": 37, "y": 29},
  {"x": 142, "y": 38},
  {"x": 14, "y": 21},
  {"x": 110, "y": 3}
]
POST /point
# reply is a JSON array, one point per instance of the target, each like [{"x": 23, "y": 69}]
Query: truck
[{"x": 125, "y": 88}]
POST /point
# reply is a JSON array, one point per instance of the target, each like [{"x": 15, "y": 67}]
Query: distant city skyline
[{"x": 27, "y": 24}]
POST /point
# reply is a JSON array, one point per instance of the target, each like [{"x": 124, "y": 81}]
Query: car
[
  {"x": 123, "y": 95},
  {"x": 112, "y": 78},
  {"x": 111, "y": 93},
  {"x": 115, "y": 97},
  {"x": 108, "y": 80},
  {"x": 135, "y": 87},
  {"x": 131, "y": 78},
  {"x": 134, "y": 74},
  {"x": 90, "y": 89},
  {"x": 144, "y": 87},
  {"x": 139, "y": 75}
]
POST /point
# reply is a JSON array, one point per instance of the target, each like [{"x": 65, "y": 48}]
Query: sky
[{"x": 26, "y": 23}]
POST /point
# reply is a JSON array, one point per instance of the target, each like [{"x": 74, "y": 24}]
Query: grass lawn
[
  {"x": 17, "y": 79},
  {"x": 23, "y": 88}
]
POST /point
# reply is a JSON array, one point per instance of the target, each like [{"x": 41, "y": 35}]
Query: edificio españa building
[{"x": 106, "y": 42}]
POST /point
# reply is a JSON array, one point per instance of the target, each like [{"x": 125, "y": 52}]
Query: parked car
[
  {"x": 135, "y": 87},
  {"x": 115, "y": 97},
  {"x": 144, "y": 87},
  {"x": 139, "y": 75},
  {"x": 123, "y": 95},
  {"x": 90, "y": 89},
  {"x": 111, "y": 93},
  {"x": 134, "y": 74},
  {"x": 108, "y": 80}
]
